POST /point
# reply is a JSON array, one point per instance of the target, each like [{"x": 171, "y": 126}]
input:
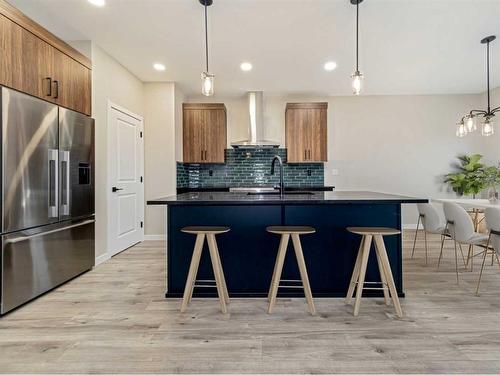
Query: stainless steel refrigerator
[{"x": 47, "y": 188}]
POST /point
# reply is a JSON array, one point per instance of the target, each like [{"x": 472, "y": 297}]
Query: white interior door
[{"x": 125, "y": 179}]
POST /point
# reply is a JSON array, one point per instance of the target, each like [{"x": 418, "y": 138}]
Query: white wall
[
  {"x": 179, "y": 98},
  {"x": 395, "y": 144},
  {"x": 160, "y": 151},
  {"x": 161, "y": 106},
  {"x": 110, "y": 81}
]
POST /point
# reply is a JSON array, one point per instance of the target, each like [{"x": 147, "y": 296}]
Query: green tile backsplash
[{"x": 248, "y": 168}]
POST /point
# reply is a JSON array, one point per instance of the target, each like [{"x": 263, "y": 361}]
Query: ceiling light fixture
[
  {"x": 97, "y": 3},
  {"x": 159, "y": 67},
  {"x": 357, "y": 76},
  {"x": 330, "y": 66},
  {"x": 246, "y": 66},
  {"x": 207, "y": 79},
  {"x": 468, "y": 123}
]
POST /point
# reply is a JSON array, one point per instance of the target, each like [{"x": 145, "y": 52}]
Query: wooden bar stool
[
  {"x": 286, "y": 232},
  {"x": 358, "y": 275},
  {"x": 220, "y": 282}
]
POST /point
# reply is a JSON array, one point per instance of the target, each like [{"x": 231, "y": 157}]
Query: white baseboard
[
  {"x": 154, "y": 237},
  {"x": 409, "y": 226},
  {"x": 101, "y": 259}
]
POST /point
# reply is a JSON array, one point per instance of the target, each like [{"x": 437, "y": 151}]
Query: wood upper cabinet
[
  {"x": 71, "y": 83},
  {"x": 23, "y": 57},
  {"x": 204, "y": 133},
  {"x": 306, "y": 132},
  {"x": 37, "y": 63}
]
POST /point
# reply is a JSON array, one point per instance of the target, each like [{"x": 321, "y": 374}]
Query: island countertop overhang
[{"x": 328, "y": 197}]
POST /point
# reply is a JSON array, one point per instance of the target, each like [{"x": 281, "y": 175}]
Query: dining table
[{"x": 475, "y": 206}]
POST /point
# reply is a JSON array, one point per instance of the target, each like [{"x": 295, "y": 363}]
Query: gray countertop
[{"x": 327, "y": 197}]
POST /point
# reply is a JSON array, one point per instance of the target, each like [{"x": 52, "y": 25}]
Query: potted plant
[
  {"x": 469, "y": 177},
  {"x": 492, "y": 180}
]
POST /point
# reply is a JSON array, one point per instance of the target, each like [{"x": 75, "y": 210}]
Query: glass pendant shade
[
  {"x": 357, "y": 81},
  {"x": 207, "y": 84},
  {"x": 461, "y": 130},
  {"x": 471, "y": 123},
  {"x": 487, "y": 127}
]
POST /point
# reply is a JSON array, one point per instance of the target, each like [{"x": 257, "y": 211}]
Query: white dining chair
[
  {"x": 461, "y": 229},
  {"x": 432, "y": 222},
  {"x": 492, "y": 216}
]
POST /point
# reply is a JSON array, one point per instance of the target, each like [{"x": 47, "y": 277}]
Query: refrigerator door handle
[
  {"x": 53, "y": 183},
  {"x": 24, "y": 238},
  {"x": 64, "y": 157}
]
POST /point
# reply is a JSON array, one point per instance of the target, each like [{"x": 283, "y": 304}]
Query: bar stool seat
[
  {"x": 286, "y": 232},
  {"x": 290, "y": 230},
  {"x": 209, "y": 233},
  {"x": 373, "y": 231},
  {"x": 206, "y": 230},
  {"x": 370, "y": 234}
]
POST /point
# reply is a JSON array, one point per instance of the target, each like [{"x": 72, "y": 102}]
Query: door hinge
[
  {"x": 141, "y": 134},
  {"x": 142, "y": 224},
  {"x": 141, "y": 178}
]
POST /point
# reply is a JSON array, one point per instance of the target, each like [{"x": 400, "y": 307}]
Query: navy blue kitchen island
[{"x": 248, "y": 252}]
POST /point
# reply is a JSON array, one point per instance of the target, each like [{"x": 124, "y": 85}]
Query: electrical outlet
[{"x": 335, "y": 172}]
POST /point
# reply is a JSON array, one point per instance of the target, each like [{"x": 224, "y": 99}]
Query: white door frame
[{"x": 109, "y": 184}]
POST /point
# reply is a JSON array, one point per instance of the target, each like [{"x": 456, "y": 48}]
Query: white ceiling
[{"x": 407, "y": 46}]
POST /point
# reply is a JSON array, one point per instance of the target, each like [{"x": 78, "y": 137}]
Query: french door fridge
[{"x": 47, "y": 197}]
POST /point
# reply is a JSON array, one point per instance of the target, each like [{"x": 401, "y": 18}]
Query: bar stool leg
[
  {"x": 303, "y": 272},
  {"x": 362, "y": 273},
  {"x": 355, "y": 272},
  {"x": 272, "y": 281},
  {"x": 381, "y": 250},
  {"x": 383, "y": 278},
  {"x": 217, "y": 271},
  {"x": 279, "y": 268},
  {"x": 193, "y": 270},
  {"x": 226, "y": 293}
]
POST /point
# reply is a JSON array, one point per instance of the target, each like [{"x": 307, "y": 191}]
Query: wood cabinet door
[
  {"x": 71, "y": 83},
  {"x": 23, "y": 66},
  {"x": 193, "y": 139},
  {"x": 214, "y": 137},
  {"x": 306, "y": 132},
  {"x": 296, "y": 135},
  {"x": 318, "y": 135}
]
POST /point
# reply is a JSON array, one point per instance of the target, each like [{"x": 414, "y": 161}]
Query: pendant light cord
[
  {"x": 357, "y": 37},
  {"x": 488, "y": 73},
  {"x": 206, "y": 35}
]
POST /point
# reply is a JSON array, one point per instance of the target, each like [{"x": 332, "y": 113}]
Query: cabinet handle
[
  {"x": 49, "y": 80},
  {"x": 305, "y": 154},
  {"x": 56, "y": 84},
  {"x": 309, "y": 154},
  {"x": 205, "y": 155},
  {"x": 201, "y": 154}
]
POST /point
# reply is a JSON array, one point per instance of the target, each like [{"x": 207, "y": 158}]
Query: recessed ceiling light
[
  {"x": 159, "y": 67},
  {"x": 330, "y": 65},
  {"x": 246, "y": 66},
  {"x": 98, "y": 3}
]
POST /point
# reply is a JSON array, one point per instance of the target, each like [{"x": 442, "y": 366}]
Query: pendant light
[
  {"x": 357, "y": 76},
  {"x": 468, "y": 123},
  {"x": 207, "y": 79}
]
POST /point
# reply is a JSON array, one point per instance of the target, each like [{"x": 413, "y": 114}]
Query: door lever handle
[{"x": 114, "y": 189}]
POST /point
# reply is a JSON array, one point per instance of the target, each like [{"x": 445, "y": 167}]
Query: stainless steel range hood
[{"x": 256, "y": 130}]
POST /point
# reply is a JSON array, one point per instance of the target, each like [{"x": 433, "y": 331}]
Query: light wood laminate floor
[{"x": 114, "y": 319}]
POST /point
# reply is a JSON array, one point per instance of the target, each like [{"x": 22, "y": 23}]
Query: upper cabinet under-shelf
[
  {"x": 204, "y": 132},
  {"x": 306, "y": 132},
  {"x": 38, "y": 63}
]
